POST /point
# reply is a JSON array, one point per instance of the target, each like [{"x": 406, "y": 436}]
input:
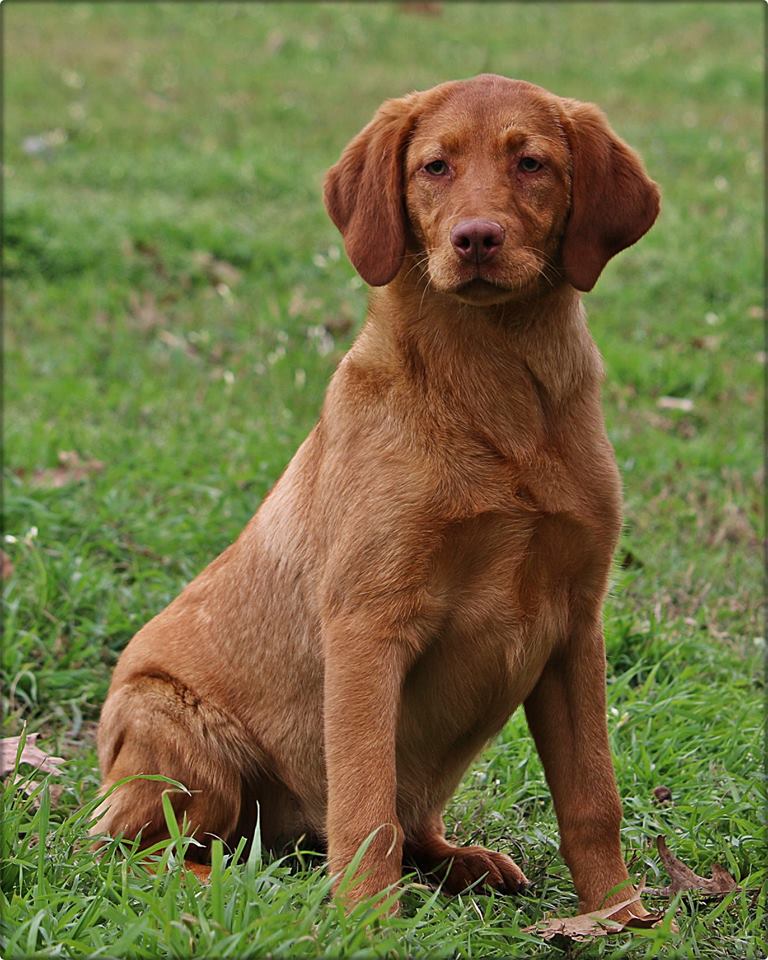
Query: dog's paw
[
  {"x": 479, "y": 868},
  {"x": 201, "y": 870}
]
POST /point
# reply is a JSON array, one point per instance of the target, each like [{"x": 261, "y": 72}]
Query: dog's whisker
[
  {"x": 426, "y": 287},
  {"x": 418, "y": 263}
]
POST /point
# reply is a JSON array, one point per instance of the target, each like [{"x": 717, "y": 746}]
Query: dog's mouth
[
  {"x": 480, "y": 285},
  {"x": 483, "y": 284},
  {"x": 482, "y": 290}
]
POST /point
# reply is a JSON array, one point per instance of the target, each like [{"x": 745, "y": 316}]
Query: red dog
[{"x": 437, "y": 551}]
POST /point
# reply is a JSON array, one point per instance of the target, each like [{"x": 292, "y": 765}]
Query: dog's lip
[{"x": 478, "y": 282}]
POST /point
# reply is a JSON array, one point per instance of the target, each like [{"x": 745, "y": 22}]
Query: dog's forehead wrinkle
[{"x": 463, "y": 119}]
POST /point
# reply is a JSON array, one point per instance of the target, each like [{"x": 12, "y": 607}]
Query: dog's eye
[
  {"x": 529, "y": 165},
  {"x": 438, "y": 168}
]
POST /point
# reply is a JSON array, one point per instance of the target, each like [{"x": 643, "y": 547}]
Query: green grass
[{"x": 183, "y": 133}]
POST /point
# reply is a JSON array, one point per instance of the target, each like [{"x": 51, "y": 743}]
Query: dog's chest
[{"x": 506, "y": 580}]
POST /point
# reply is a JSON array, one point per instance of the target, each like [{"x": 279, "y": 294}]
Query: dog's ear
[
  {"x": 364, "y": 192},
  {"x": 613, "y": 201}
]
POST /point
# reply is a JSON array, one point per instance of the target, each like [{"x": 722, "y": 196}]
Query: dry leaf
[
  {"x": 275, "y": 42},
  {"x": 734, "y": 527},
  {"x": 217, "y": 271},
  {"x": 340, "y": 323},
  {"x": 709, "y": 342},
  {"x": 299, "y": 304},
  {"x": 151, "y": 253},
  {"x": 34, "y": 756},
  {"x": 145, "y": 313},
  {"x": 425, "y": 8},
  {"x": 629, "y": 560},
  {"x": 585, "y": 926},
  {"x": 683, "y": 878},
  {"x": 663, "y": 794},
  {"x": 6, "y": 567},
  {"x": 176, "y": 342},
  {"x": 71, "y": 469},
  {"x": 684, "y": 404}
]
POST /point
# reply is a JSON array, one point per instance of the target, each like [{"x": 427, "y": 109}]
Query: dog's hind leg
[{"x": 153, "y": 724}]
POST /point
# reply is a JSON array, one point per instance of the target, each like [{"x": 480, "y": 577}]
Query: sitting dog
[{"x": 437, "y": 551}]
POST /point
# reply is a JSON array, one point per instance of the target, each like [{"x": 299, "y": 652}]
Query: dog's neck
[{"x": 483, "y": 350}]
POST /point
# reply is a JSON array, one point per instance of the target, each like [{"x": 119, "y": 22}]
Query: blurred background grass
[{"x": 176, "y": 300}]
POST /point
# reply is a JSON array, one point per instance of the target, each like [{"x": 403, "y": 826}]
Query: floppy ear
[
  {"x": 364, "y": 192},
  {"x": 613, "y": 201}
]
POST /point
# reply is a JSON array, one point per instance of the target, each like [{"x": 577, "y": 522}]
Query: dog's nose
[{"x": 477, "y": 240}]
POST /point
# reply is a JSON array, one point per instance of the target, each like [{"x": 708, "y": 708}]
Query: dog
[{"x": 438, "y": 550}]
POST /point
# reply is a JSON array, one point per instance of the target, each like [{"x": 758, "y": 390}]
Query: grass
[{"x": 177, "y": 300}]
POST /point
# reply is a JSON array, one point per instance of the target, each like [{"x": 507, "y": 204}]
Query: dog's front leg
[
  {"x": 363, "y": 680},
  {"x": 567, "y": 715}
]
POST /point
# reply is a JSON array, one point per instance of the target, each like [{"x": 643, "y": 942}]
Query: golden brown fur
[{"x": 437, "y": 552}]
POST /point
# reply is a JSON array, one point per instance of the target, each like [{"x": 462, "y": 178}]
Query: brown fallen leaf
[
  {"x": 628, "y": 560},
  {"x": 144, "y": 313},
  {"x": 425, "y": 8},
  {"x": 683, "y": 878},
  {"x": 176, "y": 342},
  {"x": 734, "y": 527},
  {"x": 31, "y": 754},
  {"x": 300, "y": 305},
  {"x": 685, "y": 404},
  {"x": 662, "y": 794},
  {"x": 340, "y": 323},
  {"x": 217, "y": 271},
  {"x": 152, "y": 253},
  {"x": 6, "y": 567},
  {"x": 600, "y": 923},
  {"x": 275, "y": 42},
  {"x": 71, "y": 469},
  {"x": 709, "y": 342}
]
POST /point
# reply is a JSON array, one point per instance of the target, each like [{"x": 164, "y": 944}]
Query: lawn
[{"x": 177, "y": 300}]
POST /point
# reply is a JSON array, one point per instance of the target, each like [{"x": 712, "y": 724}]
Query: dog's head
[{"x": 494, "y": 187}]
